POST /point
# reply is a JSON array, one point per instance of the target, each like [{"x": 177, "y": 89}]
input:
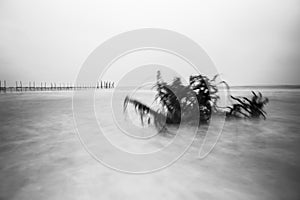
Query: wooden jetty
[{"x": 52, "y": 86}]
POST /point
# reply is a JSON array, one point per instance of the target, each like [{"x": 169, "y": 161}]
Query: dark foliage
[
  {"x": 178, "y": 102},
  {"x": 248, "y": 108}
]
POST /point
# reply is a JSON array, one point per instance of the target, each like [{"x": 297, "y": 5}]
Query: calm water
[{"x": 41, "y": 156}]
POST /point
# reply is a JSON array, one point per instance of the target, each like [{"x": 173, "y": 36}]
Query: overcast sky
[{"x": 252, "y": 42}]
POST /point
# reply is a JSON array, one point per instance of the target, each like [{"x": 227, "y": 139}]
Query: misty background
[{"x": 252, "y": 42}]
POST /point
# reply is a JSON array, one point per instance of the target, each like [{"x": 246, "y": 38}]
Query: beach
[{"x": 41, "y": 156}]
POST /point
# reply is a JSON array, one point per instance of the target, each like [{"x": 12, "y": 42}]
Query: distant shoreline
[{"x": 267, "y": 86}]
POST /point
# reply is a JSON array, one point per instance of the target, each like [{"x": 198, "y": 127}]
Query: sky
[{"x": 251, "y": 42}]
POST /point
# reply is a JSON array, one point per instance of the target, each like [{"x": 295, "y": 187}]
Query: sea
[{"x": 48, "y": 147}]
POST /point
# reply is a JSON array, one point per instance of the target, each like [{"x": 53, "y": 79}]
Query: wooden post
[{"x": 21, "y": 86}]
